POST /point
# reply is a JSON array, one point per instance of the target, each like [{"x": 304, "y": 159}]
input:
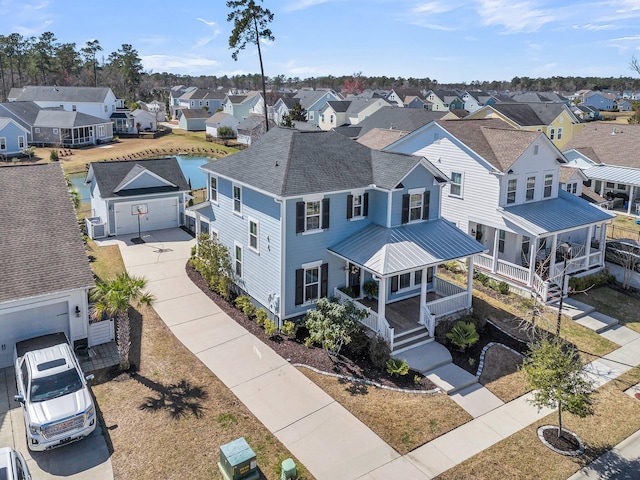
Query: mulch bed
[
  {"x": 295, "y": 351},
  {"x": 470, "y": 358}
]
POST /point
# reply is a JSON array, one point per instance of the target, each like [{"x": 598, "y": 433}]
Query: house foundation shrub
[
  {"x": 244, "y": 303},
  {"x": 261, "y": 316},
  {"x": 289, "y": 329},
  {"x": 463, "y": 335},
  {"x": 397, "y": 367},
  {"x": 503, "y": 288},
  {"x": 379, "y": 352},
  {"x": 270, "y": 328}
]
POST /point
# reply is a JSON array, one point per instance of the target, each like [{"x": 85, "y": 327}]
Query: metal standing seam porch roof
[
  {"x": 613, "y": 173},
  {"x": 390, "y": 251},
  {"x": 555, "y": 215}
]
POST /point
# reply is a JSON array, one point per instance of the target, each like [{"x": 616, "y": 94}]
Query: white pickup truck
[{"x": 56, "y": 402}]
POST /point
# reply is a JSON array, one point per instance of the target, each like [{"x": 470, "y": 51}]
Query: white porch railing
[
  {"x": 483, "y": 260},
  {"x": 428, "y": 320},
  {"x": 595, "y": 259},
  {"x": 445, "y": 288},
  {"x": 371, "y": 320},
  {"x": 513, "y": 271},
  {"x": 448, "y": 305}
]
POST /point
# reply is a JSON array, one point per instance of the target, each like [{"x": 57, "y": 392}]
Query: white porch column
[
  {"x": 632, "y": 194},
  {"x": 496, "y": 253},
  {"x": 587, "y": 247},
  {"x": 533, "y": 251},
  {"x": 382, "y": 301},
  {"x": 470, "y": 283},
  {"x": 554, "y": 247},
  {"x": 423, "y": 296}
]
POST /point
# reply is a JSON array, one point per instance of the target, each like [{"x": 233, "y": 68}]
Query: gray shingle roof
[
  {"x": 63, "y": 119},
  {"x": 530, "y": 114},
  {"x": 41, "y": 251},
  {"x": 613, "y": 144},
  {"x": 26, "y": 112},
  {"x": 398, "y": 118},
  {"x": 389, "y": 251},
  {"x": 286, "y": 162},
  {"x": 109, "y": 175},
  {"x": 195, "y": 113},
  {"x": 63, "y": 94}
]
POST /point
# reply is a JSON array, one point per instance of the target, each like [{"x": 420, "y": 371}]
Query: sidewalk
[{"x": 323, "y": 435}]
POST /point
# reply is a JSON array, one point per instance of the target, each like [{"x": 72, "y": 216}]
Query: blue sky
[{"x": 448, "y": 40}]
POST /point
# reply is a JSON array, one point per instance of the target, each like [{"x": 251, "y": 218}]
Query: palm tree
[{"x": 113, "y": 298}]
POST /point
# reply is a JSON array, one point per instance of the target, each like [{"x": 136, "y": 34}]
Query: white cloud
[
  {"x": 433, "y": 8},
  {"x": 302, "y": 4},
  {"x": 596, "y": 28},
  {"x": 431, "y": 26},
  {"x": 514, "y": 17},
  {"x": 211, "y": 23}
]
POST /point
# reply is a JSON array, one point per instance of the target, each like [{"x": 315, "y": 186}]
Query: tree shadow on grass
[
  {"x": 611, "y": 465},
  {"x": 179, "y": 400}
]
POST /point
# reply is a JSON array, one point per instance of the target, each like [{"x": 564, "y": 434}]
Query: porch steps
[
  {"x": 575, "y": 309},
  {"x": 598, "y": 322},
  {"x": 410, "y": 339}
]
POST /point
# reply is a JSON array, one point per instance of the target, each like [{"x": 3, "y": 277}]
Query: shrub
[
  {"x": 244, "y": 303},
  {"x": 453, "y": 266},
  {"x": 270, "y": 328},
  {"x": 53, "y": 156},
  {"x": 348, "y": 291},
  {"x": 370, "y": 288},
  {"x": 597, "y": 279},
  {"x": 503, "y": 288},
  {"x": 397, "y": 367},
  {"x": 193, "y": 251},
  {"x": 289, "y": 329},
  {"x": 379, "y": 352},
  {"x": 417, "y": 379},
  {"x": 261, "y": 316},
  {"x": 332, "y": 323},
  {"x": 463, "y": 335},
  {"x": 482, "y": 278},
  {"x": 359, "y": 342}
]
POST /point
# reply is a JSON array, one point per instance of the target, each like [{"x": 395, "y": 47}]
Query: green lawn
[{"x": 625, "y": 307}]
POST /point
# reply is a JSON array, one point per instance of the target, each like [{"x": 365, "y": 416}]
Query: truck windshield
[{"x": 54, "y": 386}]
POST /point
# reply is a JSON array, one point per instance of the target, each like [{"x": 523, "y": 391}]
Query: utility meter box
[{"x": 237, "y": 461}]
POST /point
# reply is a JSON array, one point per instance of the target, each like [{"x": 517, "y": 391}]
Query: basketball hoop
[{"x": 139, "y": 210}]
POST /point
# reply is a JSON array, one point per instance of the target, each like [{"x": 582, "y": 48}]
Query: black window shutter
[
  {"x": 349, "y": 206},
  {"x": 299, "y": 286},
  {"x": 299, "y": 217},
  {"x": 426, "y": 196},
  {"x": 324, "y": 279},
  {"x": 325, "y": 213},
  {"x": 405, "y": 208},
  {"x": 365, "y": 206},
  {"x": 394, "y": 284}
]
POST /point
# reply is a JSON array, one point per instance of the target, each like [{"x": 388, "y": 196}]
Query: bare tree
[{"x": 627, "y": 255}]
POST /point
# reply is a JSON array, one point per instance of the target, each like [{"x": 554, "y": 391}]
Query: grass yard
[
  {"x": 172, "y": 143},
  {"x": 174, "y": 413},
  {"x": 501, "y": 375},
  {"x": 523, "y": 457},
  {"x": 616, "y": 304},
  {"x": 403, "y": 420}
]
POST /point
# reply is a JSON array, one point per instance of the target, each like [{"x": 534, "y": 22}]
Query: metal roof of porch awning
[
  {"x": 389, "y": 251},
  {"x": 566, "y": 212},
  {"x": 613, "y": 173}
]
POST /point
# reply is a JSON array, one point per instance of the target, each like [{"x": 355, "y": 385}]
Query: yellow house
[{"x": 554, "y": 119}]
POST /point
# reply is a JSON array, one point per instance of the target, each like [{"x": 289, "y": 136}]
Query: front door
[{"x": 354, "y": 279}]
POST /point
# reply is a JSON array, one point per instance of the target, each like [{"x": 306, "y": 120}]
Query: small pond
[{"x": 190, "y": 166}]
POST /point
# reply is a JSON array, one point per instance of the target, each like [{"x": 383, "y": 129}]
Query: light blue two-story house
[
  {"x": 306, "y": 213},
  {"x": 13, "y": 138}
]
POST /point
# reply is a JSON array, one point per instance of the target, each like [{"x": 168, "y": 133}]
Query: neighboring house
[
  {"x": 241, "y": 106},
  {"x": 220, "y": 119},
  {"x": 443, "y": 100},
  {"x": 95, "y": 101},
  {"x": 174, "y": 94},
  {"x": 57, "y": 127},
  {"x": 572, "y": 180},
  {"x": 474, "y": 100},
  {"x": 407, "y": 98},
  {"x": 394, "y": 118},
  {"x": 601, "y": 101},
  {"x": 251, "y": 128},
  {"x": 144, "y": 120},
  {"x": 13, "y": 138},
  {"x": 120, "y": 190},
  {"x": 313, "y": 100},
  {"x": 505, "y": 192},
  {"x": 349, "y": 112},
  {"x": 540, "y": 97},
  {"x": 198, "y": 98},
  {"x": 624, "y": 106},
  {"x": 609, "y": 156},
  {"x": 281, "y": 107},
  {"x": 157, "y": 108},
  {"x": 193, "y": 120},
  {"x": 586, "y": 113},
  {"x": 556, "y": 120},
  {"x": 305, "y": 213},
  {"x": 45, "y": 272},
  {"x": 123, "y": 122}
]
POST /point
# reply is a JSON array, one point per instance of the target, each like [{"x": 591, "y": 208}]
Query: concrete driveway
[{"x": 87, "y": 459}]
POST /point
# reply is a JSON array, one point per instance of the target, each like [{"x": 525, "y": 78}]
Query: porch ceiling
[
  {"x": 566, "y": 212},
  {"x": 389, "y": 251}
]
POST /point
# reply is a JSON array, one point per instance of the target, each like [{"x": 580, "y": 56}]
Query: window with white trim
[
  {"x": 312, "y": 215},
  {"x": 408, "y": 280},
  {"x": 357, "y": 206},
  {"x": 74, "y": 108},
  {"x": 311, "y": 284},
  {"x": 238, "y": 260},
  {"x": 456, "y": 184},
  {"x": 559, "y": 137},
  {"x": 322, "y": 118},
  {"x": 512, "y": 187},
  {"x": 3, "y": 143},
  {"x": 415, "y": 207},
  {"x": 36, "y": 129},
  {"x": 331, "y": 119},
  {"x": 552, "y": 133},
  {"x": 101, "y": 130},
  {"x": 55, "y": 131},
  {"x": 531, "y": 189},
  {"x": 213, "y": 189},
  {"x": 548, "y": 183},
  {"x": 501, "y": 239},
  {"x": 254, "y": 227},
  {"x": 21, "y": 142},
  {"x": 526, "y": 246},
  {"x": 237, "y": 199}
]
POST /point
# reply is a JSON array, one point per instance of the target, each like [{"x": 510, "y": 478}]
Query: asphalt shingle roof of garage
[
  {"x": 110, "y": 175},
  {"x": 287, "y": 162},
  {"x": 41, "y": 251}
]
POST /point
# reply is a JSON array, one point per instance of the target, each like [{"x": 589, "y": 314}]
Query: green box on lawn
[{"x": 237, "y": 461}]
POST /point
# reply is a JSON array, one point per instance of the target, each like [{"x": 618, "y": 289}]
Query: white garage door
[
  {"x": 160, "y": 214},
  {"x": 32, "y": 322}
]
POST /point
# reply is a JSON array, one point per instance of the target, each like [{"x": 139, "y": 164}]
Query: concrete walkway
[
  {"x": 621, "y": 462},
  {"x": 323, "y": 435}
]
